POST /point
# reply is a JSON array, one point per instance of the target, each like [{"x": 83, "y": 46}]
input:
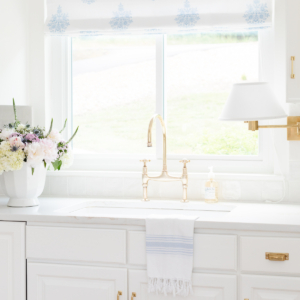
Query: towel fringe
[{"x": 166, "y": 286}]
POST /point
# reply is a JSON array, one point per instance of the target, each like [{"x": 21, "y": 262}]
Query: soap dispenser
[{"x": 211, "y": 188}]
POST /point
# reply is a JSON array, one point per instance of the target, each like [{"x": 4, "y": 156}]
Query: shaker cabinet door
[
  {"x": 205, "y": 287},
  {"x": 67, "y": 282},
  {"x": 293, "y": 50},
  {"x": 254, "y": 287},
  {"x": 12, "y": 261}
]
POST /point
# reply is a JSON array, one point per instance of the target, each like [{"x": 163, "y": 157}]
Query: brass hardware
[
  {"x": 292, "y": 68},
  {"x": 119, "y": 294},
  {"x": 133, "y": 295},
  {"x": 164, "y": 176},
  {"x": 246, "y": 299},
  {"x": 293, "y": 132},
  {"x": 293, "y": 127},
  {"x": 277, "y": 256},
  {"x": 252, "y": 125}
]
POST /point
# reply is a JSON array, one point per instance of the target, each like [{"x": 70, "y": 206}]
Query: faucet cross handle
[
  {"x": 184, "y": 161},
  {"x": 145, "y": 162}
]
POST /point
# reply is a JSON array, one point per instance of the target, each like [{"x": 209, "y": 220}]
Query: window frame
[{"x": 59, "y": 104}]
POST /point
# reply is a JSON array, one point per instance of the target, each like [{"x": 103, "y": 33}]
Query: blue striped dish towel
[{"x": 170, "y": 250}]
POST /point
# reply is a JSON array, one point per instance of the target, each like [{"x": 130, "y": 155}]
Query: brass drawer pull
[
  {"x": 293, "y": 59},
  {"x": 277, "y": 256},
  {"x": 118, "y": 295},
  {"x": 133, "y": 295}
]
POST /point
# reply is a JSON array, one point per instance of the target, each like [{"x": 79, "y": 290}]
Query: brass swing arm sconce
[{"x": 293, "y": 127}]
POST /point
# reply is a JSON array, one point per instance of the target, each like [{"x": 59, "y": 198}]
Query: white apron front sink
[{"x": 139, "y": 209}]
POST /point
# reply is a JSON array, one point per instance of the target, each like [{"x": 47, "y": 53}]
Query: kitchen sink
[{"x": 136, "y": 208}]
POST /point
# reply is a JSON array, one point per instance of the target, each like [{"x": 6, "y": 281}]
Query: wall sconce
[{"x": 252, "y": 102}]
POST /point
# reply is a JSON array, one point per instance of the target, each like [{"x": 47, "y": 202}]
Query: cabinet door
[
  {"x": 293, "y": 50},
  {"x": 205, "y": 287},
  {"x": 67, "y": 282},
  {"x": 12, "y": 261},
  {"x": 270, "y": 288}
]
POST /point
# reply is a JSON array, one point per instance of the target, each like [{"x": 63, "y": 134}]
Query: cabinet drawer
[
  {"x": 214, "y": 252},
  {"x": 76, "y": 244},
  {"x": 253, "y": 254}
]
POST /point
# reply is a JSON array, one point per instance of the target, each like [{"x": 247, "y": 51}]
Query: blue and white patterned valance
[{"x": 98, "y": 17}]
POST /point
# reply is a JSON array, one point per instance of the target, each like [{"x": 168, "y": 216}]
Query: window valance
[{"x": 98, "y": 17}]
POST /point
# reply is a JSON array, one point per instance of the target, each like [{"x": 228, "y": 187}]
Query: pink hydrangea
[{"x": 50, "y": 150}]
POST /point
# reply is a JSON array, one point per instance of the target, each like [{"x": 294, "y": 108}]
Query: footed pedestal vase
[{"x": 22, "y": 187}]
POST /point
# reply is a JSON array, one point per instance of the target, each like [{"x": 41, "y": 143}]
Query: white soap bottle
[{"x": 211, "y": 188}]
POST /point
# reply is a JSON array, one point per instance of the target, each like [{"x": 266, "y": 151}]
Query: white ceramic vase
[{"x": 23, "y": 188}]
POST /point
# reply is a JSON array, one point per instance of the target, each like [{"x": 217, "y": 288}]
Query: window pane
[
  {"x": 113, "y": 93},
  {"x": 201, "y": 69}
]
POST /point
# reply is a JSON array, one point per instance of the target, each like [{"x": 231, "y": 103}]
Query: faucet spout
[{"x": 149, "y": 144}]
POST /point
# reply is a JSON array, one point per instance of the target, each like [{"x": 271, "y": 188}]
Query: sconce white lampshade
[{"x": 252, "y": 102}]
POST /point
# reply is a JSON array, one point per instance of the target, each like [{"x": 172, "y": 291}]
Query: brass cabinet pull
[
  {"x": 277, "y": 256},
  {"x": 133, "y": 295},
  {"x": 292, "y": 74},
  {"x": 119, "y": 294}
]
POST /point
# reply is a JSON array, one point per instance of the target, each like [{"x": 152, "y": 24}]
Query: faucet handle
[
  {"x": 145, "y": 161},
  {"x": 185, "y": 161}
]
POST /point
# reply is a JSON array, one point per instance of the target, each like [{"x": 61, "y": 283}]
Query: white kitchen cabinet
[
  {"x": 293, "y": 50},
  {"x": 205, "y": 287},
  {"x": 254, "y": 287},
  {"x": 12, "y": 261},
  {"x": 71, "y": 282}
]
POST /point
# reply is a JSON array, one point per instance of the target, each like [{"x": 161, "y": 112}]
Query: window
[
  {"x": 111, "y": 86},
  {"x": 113, "y": 93},
  {"x": 116, "y": 90}
]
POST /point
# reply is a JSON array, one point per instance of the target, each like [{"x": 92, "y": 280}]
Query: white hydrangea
[
  {"x": 67, "y": 159},
  {"x": 10, "y": 160}
]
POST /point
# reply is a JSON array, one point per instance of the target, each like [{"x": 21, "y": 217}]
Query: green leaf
[
  {"x": 72, "y": 137},
  {"x": 50, "y": 129},
  {"x": 64, "y": 126},
  {"x": 45, "y": 164},
  {"x": 32, "y": 171},
  {"x": 57, "y": 165}
]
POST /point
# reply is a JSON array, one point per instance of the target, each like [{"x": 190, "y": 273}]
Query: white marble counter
[{"x": 245, "y": 216}]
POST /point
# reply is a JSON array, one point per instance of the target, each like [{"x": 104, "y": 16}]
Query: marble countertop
[{"x": 244, "y": 216}]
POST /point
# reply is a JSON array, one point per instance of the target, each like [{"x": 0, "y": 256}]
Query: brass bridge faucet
[{"x": 164, "y": 176}]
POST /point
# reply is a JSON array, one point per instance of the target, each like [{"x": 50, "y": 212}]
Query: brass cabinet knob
[
  {"x": 277, "y": 256},
  {"x": 119, "y": 294},
  {"x": 133, "y": 295}
]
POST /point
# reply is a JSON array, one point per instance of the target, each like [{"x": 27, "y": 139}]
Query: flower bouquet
[{"x": 28, "y": 151}]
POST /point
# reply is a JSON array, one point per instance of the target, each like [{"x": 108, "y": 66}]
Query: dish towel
[{"x": 170, "y": 249}]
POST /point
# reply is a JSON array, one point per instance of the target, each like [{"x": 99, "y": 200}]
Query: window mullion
[{"x": 160, "y": 90}]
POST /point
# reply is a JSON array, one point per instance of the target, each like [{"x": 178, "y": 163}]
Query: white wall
[{"x": 13, "y": 51}]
